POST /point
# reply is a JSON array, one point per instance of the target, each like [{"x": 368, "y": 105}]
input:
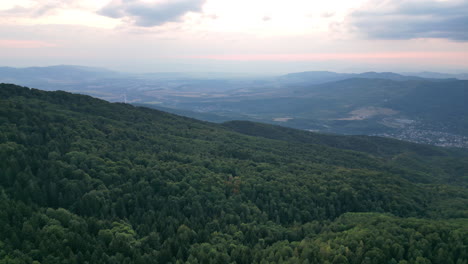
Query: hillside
[
  {"x": 373, "y": 145},
  {"x": 88, "y": 181}
]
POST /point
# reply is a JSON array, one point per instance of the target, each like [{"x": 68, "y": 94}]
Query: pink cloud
[
  {"x": 24, "y": 44},
  {"x": 335, "y": 56}
]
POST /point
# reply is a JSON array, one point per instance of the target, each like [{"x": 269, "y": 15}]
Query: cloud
[
  {"x": 39, "y": 8},
  {"x": 410, "y": 19},
  {"x": 212, "y": 16},
  {"x": 327, "y": 14},
  {"x": 146, "y": 14},
  {"x": 36, "y": 11}
]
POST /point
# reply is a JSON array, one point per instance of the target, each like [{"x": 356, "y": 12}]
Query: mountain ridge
[{"x": 88, "y": 180}]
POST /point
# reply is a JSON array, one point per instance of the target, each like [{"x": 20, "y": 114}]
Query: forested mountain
[{"x": 87, "y": 181}]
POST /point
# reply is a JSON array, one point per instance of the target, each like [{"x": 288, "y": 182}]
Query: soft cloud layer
[
  {"x": 148, "y": 14},
  {"x": 409, "y": 19},
  {"x": 39, "y": 8},
  {"x": 241, "y": 35},
  {"x": 54, "y": 12}
]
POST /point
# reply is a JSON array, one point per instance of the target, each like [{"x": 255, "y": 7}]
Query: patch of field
[
  {"x": 282, "y": 119},
  {"x": 368, "y": 112},
  {"x": 396, "y": 123}
]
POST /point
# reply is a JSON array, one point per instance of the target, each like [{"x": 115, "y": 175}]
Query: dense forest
[{"x": 87, "y": 181}]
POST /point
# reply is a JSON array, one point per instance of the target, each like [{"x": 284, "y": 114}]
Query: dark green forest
[{"x": 87, "y": 181}]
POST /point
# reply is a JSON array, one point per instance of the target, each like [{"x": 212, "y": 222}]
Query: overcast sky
[{"x": 261, "y": 36}]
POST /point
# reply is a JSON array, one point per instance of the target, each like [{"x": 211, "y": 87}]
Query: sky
[{"x": 258, "y": 36}]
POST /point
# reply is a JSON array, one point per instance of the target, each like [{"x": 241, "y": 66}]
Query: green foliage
[{"x": 87, "y": 181}]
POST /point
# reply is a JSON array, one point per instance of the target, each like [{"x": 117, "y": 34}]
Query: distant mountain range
[
  {"x": 318, "y": 77},
  {"x": 60, "y": 73},
  {"x": 74, "y": 73},
  {"x": 422, "y": 107},
  {"x": 437, "y": 75}
]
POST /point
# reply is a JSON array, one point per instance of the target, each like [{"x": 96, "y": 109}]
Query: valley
[{"x": 424, "y": 110}]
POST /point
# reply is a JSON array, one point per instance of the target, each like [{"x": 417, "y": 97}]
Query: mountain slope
[
  {"x": 396, "y": 151},
  {"x": 373, "y": 145},
  {"x": 84, "y": 180}
]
